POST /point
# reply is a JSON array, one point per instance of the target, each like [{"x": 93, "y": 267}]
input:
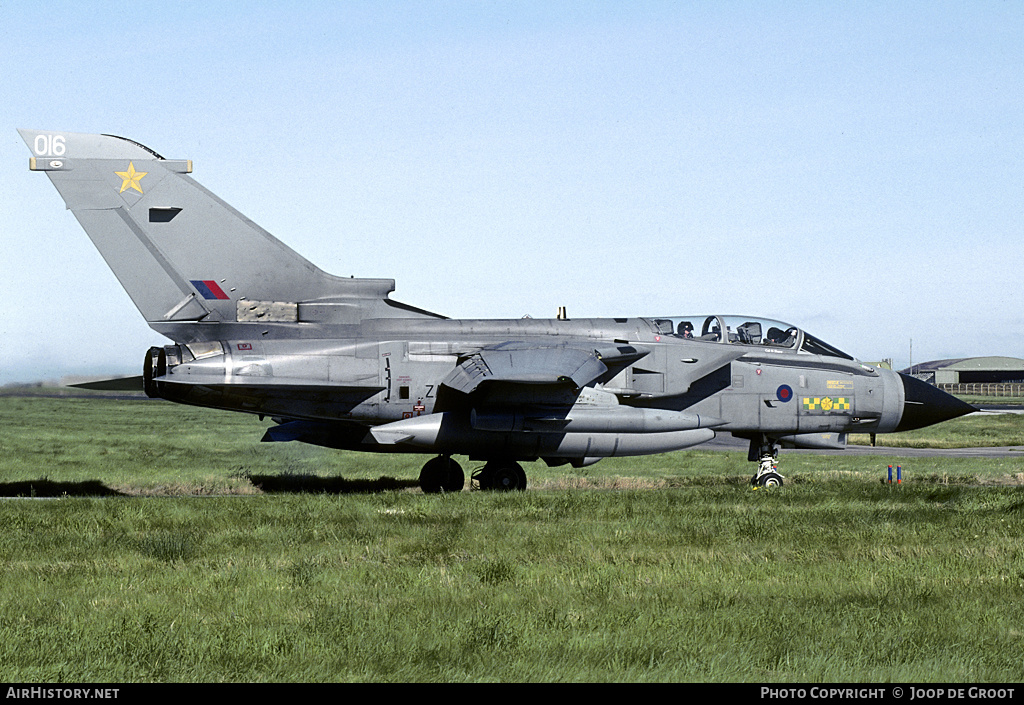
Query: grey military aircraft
[{"x": 336, "y": 362}]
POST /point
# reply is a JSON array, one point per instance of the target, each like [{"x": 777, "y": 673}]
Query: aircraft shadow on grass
[
  {"x": 312, "y": 484},
  {"x": 50, "y": 488},
  {"x": 268, "y": 484}
]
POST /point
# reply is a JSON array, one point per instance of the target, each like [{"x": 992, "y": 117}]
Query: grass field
[
  {"x": 972, "y": 431},
  {"x": 216, "y": 558}
]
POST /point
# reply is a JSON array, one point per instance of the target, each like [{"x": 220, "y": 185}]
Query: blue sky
[{"x": 856, "y": 169}]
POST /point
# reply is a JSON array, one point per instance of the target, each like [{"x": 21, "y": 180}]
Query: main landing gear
[
  {"x": 765, "y": 452},
  {"x": 501, "y": 476},
  {"x": 442, "y": 474}
]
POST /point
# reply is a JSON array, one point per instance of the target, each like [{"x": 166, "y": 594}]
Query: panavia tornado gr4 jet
[{"x": 335, "y": 362}]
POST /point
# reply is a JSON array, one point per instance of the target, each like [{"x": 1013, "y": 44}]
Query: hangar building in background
[{"x": 966, "y": 375}]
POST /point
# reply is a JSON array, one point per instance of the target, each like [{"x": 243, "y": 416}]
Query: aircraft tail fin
[{"x": 184, "y": 255}]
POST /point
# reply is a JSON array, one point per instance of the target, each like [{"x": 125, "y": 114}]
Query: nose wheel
[
  {"x": 769, "y": 479},
  {"x": 766, "y": 453}
]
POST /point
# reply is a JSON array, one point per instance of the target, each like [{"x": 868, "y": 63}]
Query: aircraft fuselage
[
  {"x": 336, "y": 362},
  {"x": 675, "y": 395}
]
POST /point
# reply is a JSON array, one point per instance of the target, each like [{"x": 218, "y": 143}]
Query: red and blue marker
[{"x": 209, "y": 289}]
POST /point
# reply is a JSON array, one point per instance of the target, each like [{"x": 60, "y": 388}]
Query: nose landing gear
[{"x": 765, "y": 452}]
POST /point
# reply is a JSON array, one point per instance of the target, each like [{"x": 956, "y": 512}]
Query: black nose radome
[{"x": 925, "y": 405}]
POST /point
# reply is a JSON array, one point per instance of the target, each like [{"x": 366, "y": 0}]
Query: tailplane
[{"x": 185, "y": 256}]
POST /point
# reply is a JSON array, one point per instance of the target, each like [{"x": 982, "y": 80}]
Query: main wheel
[
  {"x": 502, "y": 477},
  {"x": 441, "y": 474}
]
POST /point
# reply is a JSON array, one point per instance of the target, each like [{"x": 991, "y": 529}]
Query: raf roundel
[{"x": 784, "y": 393}]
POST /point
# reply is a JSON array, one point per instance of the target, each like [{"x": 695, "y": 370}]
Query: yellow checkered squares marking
[{"x": 826, "y": 403}]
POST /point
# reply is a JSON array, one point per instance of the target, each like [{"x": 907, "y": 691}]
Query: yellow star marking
[{"x": 131, "y": 178}]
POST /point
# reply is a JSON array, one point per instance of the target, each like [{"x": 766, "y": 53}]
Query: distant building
[{"x": 970, "y": 370}]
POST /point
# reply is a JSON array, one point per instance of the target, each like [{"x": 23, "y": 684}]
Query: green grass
[
  {"x": 667, "y": 568},
  {"x": 836, "y": 582},
  {"x": 988, "y": 430}
]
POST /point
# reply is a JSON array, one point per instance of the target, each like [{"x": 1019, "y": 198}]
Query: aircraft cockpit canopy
[{"x": 745, "y": 330}]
